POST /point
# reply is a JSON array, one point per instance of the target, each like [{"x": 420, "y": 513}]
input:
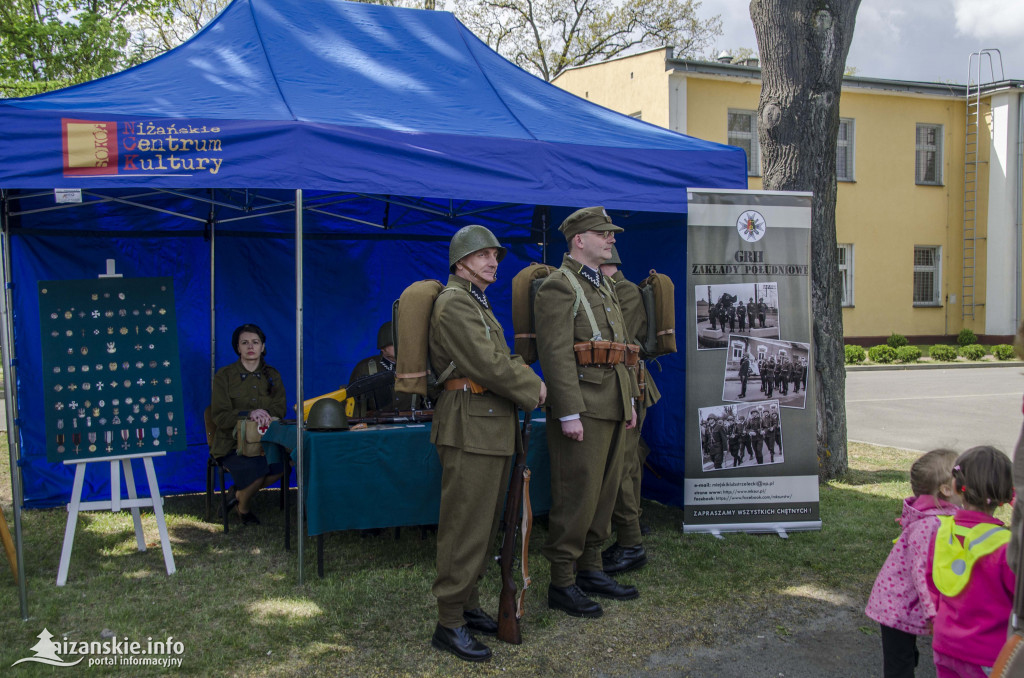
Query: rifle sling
[{"x": 524, "y": 530}]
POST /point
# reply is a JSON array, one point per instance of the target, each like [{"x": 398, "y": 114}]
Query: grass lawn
[{"x": 236, "y": 607}]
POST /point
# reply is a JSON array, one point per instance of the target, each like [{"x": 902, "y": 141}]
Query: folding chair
[{"x": 213, "y": 465}]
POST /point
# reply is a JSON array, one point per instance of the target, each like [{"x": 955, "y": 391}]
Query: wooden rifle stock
[{"x": 508, "y": 613}]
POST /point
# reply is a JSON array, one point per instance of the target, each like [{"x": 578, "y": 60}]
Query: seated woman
[{"x": 247, "y": 389}]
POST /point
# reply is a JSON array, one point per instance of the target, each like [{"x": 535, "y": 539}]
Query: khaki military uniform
[
  {"x": 236, "y": 393},
  {"x": 475, "y": 437},
  {"x": 398, "y": 402},
  {"x": 585, "y": 476},
  {"x": 626, "y": 515}
]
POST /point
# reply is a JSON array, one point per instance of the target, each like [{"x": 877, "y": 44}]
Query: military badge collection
[{"x": 111, "y": 372}]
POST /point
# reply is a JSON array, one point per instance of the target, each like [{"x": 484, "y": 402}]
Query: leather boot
[
  {"x": 481, "y": 622},
  {"x": 460, "y": 643},
  {"x": 598, "y": 583},
  {"x": 572, "y": 601},
  {"x": 623, "y": 558}
]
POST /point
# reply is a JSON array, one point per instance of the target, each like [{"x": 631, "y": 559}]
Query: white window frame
[
  {"x": 844, "y": 257},
  {"x": 921, "y": 151},
  {"x": 754, "y": 157},
  {"x": 935, "y": 269},
  {"x": 844, "y": 171}
]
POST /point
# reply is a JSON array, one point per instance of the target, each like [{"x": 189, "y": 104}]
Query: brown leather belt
[
  {"x": 605, "y": 353},
  {"x": 464, "y": 384}
]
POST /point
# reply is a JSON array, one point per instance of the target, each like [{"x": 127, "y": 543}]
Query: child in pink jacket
[{"x": 900, "y": 600}]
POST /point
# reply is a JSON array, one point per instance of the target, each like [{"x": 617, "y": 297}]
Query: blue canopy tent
[{"x": 330, "y": 150}]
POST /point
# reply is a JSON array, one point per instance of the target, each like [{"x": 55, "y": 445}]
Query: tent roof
[{"x": 355, "y": 97}]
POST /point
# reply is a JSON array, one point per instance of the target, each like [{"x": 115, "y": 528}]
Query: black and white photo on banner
[
  {"x": 766, "y": 369},
  {"x": 740, "y": 435},
  {"x": 749, "y": 309}
]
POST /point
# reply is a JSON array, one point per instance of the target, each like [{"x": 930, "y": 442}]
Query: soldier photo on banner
[
  {"x": 750, "y": 309},
  {"x": 765, "y": 369},
  {"x": 737, "y": 436}
]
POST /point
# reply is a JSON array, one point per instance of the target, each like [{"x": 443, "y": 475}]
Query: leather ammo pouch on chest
[
  {"x": 247, "y": 439},
  {"x": 605, "y": 353}
]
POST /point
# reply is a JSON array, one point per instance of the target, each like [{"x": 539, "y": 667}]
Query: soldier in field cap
[{"x": 591, "y": 406}]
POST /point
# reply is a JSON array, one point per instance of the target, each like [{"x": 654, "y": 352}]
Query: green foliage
[
  {"x": 942, "y": 352},
  {"x": 854, "y": 354},
  {"x": 883, "y": 353},
  {"x": 966, "y": 337},
  {"x": 908, "y": 354},
  {"x": 973, "y": 351},
  {"x": 1003, "y": 352},
  {"x": 896, "y": 340}
]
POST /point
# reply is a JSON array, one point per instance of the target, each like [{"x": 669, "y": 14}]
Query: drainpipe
[{"x": 1019, "y": 218}]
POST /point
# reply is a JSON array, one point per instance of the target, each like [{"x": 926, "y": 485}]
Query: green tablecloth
[{"x": 384, "y": 476}]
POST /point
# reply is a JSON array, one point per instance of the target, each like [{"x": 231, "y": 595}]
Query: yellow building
[{"x": 929, "y": 209}]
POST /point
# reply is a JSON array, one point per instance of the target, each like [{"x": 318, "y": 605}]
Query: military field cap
[{"x": 587, "y": 219}]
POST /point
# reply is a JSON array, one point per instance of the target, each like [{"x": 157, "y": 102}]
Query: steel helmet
[
  {"x": 327, "y": 414},
  {"x": 385, "y": 335},
  {"x": 614, "y": 259},
  {"x": 469, "y": 239}
]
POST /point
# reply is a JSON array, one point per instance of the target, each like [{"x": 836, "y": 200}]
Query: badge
[{"x": 751, "y": 226}]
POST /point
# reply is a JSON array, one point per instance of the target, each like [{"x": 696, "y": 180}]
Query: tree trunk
[{"x": 803, "y": 46}]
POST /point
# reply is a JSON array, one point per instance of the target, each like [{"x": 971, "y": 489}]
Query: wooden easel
[{"x": 116, "y": 504}]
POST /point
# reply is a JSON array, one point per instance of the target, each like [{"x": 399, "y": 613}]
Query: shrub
[
  {"x": 966, "y": 337},
  {"x": 908, "y": 354},
  {"x": 973, "y": 351},
  {"x": 942, "y": 352},
  {"x": 896, "y": 340},
  {"x": 883, "y": 353},
  {"x": 854, "y": 354},
  {"x": 1001, "y": 352}
]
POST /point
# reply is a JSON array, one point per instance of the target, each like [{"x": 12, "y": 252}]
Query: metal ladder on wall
[{"x": 972, "y": 130}]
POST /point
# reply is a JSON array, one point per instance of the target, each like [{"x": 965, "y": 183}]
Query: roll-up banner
[{"x": 751, "y": 452}]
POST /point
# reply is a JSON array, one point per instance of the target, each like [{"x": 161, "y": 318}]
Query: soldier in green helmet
[
  {"x": 628, "y": 553},
  {"x": 591, "y": 409},
  {"x": 474, "y": 429},
  {"x": 392, "y": 401}
]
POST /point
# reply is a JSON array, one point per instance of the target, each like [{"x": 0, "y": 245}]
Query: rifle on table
[
  {"x": 510, "y": 608},
  {"x": 401, "y": 417}
]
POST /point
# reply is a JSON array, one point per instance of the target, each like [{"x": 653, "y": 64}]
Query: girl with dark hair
[
  {"x": 971, "y": 583},
  {"x": 248, "y": 389}
]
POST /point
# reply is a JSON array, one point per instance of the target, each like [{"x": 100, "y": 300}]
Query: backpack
[
  {"x": 411, "y": 316},
  {"x": 524, "y": 290},
  {"x": 659, "y": 297},
  {"x": 957, "y": 548}
]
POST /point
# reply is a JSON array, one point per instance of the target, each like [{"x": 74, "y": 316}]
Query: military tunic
[
  {"x": 475, "y": 437},
  {"x": 585, "y": 476},
  {"x": 236, "y": 393},
  {"x": 398, "y": 402},
  {"x": 626, "y": 515}
]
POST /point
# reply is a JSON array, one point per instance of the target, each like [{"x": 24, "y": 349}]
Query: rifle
[
  {"x": 510, "y": 609},
  {"x": 402, "y": 417}
]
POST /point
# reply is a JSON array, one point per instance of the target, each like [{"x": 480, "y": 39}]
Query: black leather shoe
[
  {"x": 249, "y": 518},
  {"x": 572, "y": 601},
  {"x": 600, "y": 584},
  {"x": 624, "y": 559},
  {"x": 481, "y": 622},
  {"x": 461, "y": 643}
]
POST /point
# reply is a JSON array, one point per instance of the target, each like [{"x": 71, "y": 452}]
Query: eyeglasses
[{"x": 603, "y": 235}]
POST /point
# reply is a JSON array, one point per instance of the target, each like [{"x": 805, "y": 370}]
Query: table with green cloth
[{"x": 384, "y": 476}]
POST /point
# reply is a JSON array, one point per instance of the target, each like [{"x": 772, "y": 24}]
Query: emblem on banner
[
  {"x": 90, "y": 147},
  {"x": 751, "y": 226}
]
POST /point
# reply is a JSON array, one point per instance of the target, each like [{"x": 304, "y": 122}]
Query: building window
[
  {"x": 928, "y": 163},
  {"x": 844, "y": 150},
  {"x": 844, "y": 255},
  {"x": 927, "y": 275},
  {"x": 743, "y": 133}
]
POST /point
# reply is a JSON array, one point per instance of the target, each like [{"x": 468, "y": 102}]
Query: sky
[{"x": 921, "y": 40}]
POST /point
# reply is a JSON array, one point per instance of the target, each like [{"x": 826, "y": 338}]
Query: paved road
[{"x": 924, "y": 409}]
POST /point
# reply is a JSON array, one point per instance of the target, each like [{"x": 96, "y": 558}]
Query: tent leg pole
[
  {"x": 300, "y": 425},
  {"x": 11, "y": 401},
  {"x": 211, "y": 224}
]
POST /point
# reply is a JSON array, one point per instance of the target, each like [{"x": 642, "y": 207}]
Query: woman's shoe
[{"x": 249, "y": 518}]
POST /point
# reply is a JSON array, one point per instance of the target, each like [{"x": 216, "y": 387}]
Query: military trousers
[
  {"x": 473, "y": 488},
  {"x": 626, "y": 514},
  {"x": 585, "y": 480}
]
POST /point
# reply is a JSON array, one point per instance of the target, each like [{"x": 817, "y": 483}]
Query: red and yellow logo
[{"x": 90, "y": 147}]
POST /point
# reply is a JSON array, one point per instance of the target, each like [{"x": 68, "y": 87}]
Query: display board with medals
[{"x": 111, "y": 371}]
